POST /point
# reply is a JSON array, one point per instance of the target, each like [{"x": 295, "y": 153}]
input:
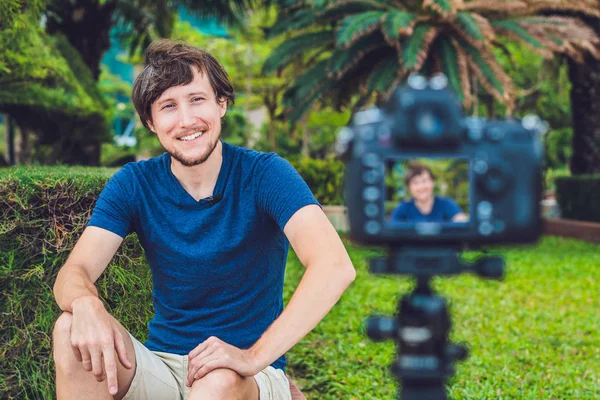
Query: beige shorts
[{"x": 161, "y": 376}]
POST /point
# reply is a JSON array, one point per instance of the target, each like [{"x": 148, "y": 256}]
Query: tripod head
[{"x": 421, "y": 326}]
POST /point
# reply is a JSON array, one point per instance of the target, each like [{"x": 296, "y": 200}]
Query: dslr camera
[
  {"x": 501, "y": 163},
  {"x": 484, "y": 177}
]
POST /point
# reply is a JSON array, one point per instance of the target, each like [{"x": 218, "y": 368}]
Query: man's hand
[
  {"x": 94, "y": 339},
  {"x": 215, "y": 353}
]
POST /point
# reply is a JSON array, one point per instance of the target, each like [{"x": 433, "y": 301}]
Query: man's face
[
  {"x": 187, "y": 120},
  {"x": 421, "y": 187}
]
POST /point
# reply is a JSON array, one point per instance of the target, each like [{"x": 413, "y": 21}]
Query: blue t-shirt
[
  {"x": 443, "y": 210},
  {"x": 217, "y": 268}
]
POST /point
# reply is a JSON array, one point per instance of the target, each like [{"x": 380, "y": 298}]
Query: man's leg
[
  {"x": 72, "y": 381},
  {"x": 224, "y": 384}
]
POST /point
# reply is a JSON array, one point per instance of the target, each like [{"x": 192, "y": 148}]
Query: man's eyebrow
[{"x": 198, "y": 94}]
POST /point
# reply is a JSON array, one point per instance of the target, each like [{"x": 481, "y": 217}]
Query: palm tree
[
  {"x": 367, "y": 47},
  {"x": 87, "y": 23}
]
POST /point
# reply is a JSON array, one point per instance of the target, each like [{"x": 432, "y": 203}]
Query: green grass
[{"x": 535, "y": 335}]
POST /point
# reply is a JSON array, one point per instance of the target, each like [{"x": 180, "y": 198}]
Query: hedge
[
  {"x": 324, "y": 178},
  {"x": 42, "y": 213},
  {"x": 578, "y": 197}
]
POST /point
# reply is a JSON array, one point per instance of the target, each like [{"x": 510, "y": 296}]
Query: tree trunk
[
  {"x": 10, "y": 139},
  {"x": 25, "y": 145},
  {"x": 585, "y": 107},
  {"x": 87, "y": 26}
]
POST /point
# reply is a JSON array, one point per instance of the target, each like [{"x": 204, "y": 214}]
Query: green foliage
[
  {"x": 116, "y": 156},
  {"x": 355, "y": 35},
  {"x": 324, "y": 178},
  {"x": 42, "y": 213},
  {"x": 235, "y": 127},
  {"x": 578, "y": 197},
  {"x": 558, "y": 147},
  {"x": 45, "y": 72},
  {"x": 550, "y": 176}
]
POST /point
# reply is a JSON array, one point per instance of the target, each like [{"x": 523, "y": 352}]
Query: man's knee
[
  {"x": 223, "y": 383},
  {"x": 64, "y": 359}
]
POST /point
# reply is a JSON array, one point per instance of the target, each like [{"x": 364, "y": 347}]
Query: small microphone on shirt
[{"x": 214, "y": 199}]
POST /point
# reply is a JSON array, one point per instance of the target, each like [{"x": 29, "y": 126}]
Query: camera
[
  {"x": 500, "y": 163},
  {"x": 427, "y": 182}
]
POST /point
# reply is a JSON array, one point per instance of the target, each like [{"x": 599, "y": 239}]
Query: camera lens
[{"x": 428, "y": 124}]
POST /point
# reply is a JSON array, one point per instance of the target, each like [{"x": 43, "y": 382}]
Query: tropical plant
[{"x": 362, "y": 48}]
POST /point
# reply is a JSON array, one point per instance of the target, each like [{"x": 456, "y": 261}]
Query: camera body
[{"x": 424, "y": 120}]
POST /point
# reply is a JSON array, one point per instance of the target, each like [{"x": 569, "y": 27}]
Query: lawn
[{"x": 534, "y": 335}]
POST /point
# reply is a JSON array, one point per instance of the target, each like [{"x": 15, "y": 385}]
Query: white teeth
[{"x": 191, "y": 137}]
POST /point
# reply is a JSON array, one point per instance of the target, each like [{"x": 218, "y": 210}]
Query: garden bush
[
  {"x": 42, "y": 213},
  {"x": 324, "y": 178},
  {"x": 578, "y": 197}
]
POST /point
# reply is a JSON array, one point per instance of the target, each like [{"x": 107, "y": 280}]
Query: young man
[
  {"x": 215, "y": 222},
  {"x": 424, "y": 205}
]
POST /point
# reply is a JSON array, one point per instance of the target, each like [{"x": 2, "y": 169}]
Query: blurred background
[{"x": 301, "y": 69}]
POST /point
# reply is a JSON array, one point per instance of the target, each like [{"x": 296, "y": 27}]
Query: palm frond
[
  {"x": 513, "y": 29},
  {"x": 343, "y": 60},
  {"x": 357, "y": 26},
  {"x": 577, "y": 38},
  {"x": 416, "y": 47},
  {"x": 329, "y": 5},
  {"x": 384, "y": 75},
  {"x": 396, "y": 23},
  {"x": 442, "y": 7},
  {"x": 485, "y": 26},
  {"x": 489, "y": 6},
  {"x": 449, "y": 64},
  {"x": 340, "y": 10},
  {"x": 306, "y": 83},
  {"x": 587, "y": 7},
  {"x": 469, "y": 26},
  {"x": 288, "y": 50},
  {"x": 490, "y": 74},
  {"x": 463, "y": 67},
  {"x": 298, "y": 20}
]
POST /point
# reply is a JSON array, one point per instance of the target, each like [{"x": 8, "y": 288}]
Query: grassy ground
[{"x": 535, "y": 335}]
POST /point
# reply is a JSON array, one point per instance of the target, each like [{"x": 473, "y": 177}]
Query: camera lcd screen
[{"x": 426, "y": 190}]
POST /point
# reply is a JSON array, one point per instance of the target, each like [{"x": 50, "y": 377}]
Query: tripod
[{"x": 425, "y": 357}]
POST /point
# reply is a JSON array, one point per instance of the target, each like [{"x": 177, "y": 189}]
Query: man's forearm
[
  {"x": 318, "y": 291},
  {"x": 72, "y": 283}
]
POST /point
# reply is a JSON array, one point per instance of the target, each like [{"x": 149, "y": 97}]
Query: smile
[{"x": 191, "y": 137}]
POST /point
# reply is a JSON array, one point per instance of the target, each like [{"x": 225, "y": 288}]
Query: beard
[{"x": 193, "y": 161}]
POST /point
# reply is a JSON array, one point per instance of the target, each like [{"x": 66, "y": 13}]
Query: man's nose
[{"x": 187, "y": 119}]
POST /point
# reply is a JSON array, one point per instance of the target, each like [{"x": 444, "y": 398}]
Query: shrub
[
  {"x": 324, "y": 177},
  {"x": 578, "y": 197},
  {"x": 42, "y": 213}
]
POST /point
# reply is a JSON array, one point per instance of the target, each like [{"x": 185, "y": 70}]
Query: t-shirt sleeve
[
  {"x": 451, "y": 208},
  {"x": 113, "y": 208},
  {"x": 281, "y": 191}
]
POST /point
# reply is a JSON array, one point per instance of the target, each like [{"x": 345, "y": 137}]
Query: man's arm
[
  {"x": 94, "y": 334},
  {"x": 329, "y": 272},
  {"x": 88, "y": 259}
]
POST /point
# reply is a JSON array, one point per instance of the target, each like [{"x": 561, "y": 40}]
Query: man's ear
[
  {"x": 223, "y": 105},
  {"x": 150, "y": 126}
]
